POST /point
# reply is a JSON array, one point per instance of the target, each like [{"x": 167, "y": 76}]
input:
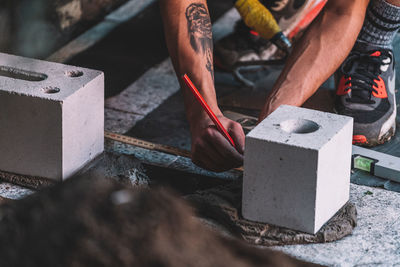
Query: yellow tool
[{"x": 256, "y": 16}]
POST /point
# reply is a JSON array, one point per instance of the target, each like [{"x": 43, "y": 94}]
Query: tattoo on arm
[{"x": 199, "y": 29}]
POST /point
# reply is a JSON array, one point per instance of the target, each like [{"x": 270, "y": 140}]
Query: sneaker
[
  {"x": 366, "y": 92},
  {"x": 244, "y": 45}
]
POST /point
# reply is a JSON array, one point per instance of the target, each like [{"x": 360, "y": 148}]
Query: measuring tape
[
  {"x": 147, "y": 145},
  {"x": 150, "y": 146}
]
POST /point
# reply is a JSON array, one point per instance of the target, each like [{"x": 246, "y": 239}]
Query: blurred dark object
[
  {"x": 35, "y": 28},
  {"x": 97, "y": 222}
]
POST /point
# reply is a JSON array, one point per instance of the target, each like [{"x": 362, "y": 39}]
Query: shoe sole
[{"x": 388, "y": 130}]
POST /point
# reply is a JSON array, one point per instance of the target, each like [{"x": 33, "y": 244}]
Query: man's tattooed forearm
[
  {"x": 200, "y": 34},
  {"x": 199, "y": 27}
]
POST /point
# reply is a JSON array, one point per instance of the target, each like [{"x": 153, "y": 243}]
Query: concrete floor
[
  {"x": 374, "y": 242},
  {"x": 149, "y": 100}
]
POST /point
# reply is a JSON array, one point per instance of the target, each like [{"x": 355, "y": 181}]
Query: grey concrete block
[
  {"x": 297, "y": 168},
  {"x": 51, "y": 117}
]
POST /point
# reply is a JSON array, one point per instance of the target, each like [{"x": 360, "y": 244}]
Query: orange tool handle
[{"x": 205, "y": 106}]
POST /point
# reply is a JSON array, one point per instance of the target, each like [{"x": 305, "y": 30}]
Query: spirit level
[{"x": 376, "y": 163}]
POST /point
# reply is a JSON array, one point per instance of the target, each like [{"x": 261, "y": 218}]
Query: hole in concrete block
[
  {"x": 299, "y": 126},
  {"x": 74, "y": 73},
  {"x": 20, "y": 74},
  {"x": 51, "y": 90}
]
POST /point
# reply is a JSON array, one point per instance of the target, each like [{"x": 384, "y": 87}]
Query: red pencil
[{"x": 205, "y": 106}]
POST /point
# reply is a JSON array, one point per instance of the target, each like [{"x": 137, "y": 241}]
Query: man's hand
[{"x": 210, "y": 149}]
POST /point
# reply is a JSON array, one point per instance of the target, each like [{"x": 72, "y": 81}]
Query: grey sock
[{"x": 381, "y": 24}]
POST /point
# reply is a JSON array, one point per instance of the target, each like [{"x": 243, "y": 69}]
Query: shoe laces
[{"x": 363, "y": 68}]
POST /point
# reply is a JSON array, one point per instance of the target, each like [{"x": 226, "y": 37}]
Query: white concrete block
[
  {"x": 51, "y": 117},
  {"x": 297, "y": 168}
]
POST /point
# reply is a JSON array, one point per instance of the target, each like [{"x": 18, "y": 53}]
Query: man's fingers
[
  {"x": 211, "y": 156},
  {"x": 212, "y": 151},
  {"x": 238, "y": 136},
  {"x": 204, "y": 161},
  {"x": 224, "y": 148},
  {"x": 206, "y": 156},
  {"x": 225, "y": 160}
]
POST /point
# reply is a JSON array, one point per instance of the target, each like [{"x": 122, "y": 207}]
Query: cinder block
[
  {"x": 297, "y": 168},
  {"x": 51, "y": 117}
]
